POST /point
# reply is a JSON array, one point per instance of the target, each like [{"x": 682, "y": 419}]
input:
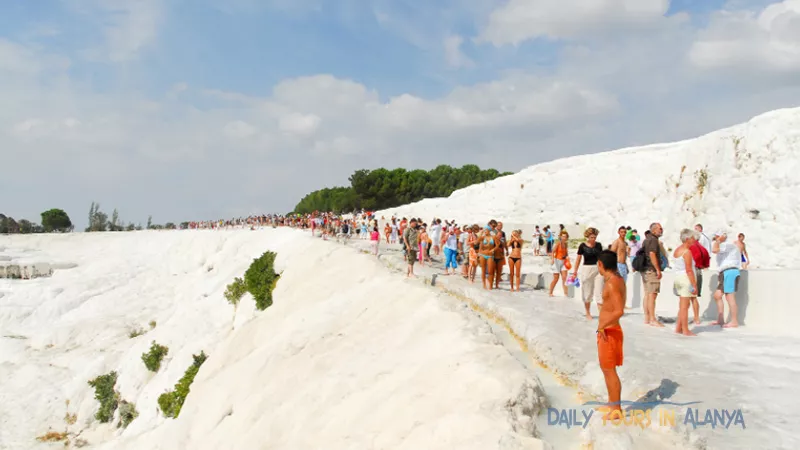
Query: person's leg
[
  {"x": 614, "y": 387},
  {"x": 490, "y": 266},
  {"x": 731, "y": 282},
  {"x": 685, "y": 302},
  {"x": 484, "y": 263},
  {"x": 720, "y": 308},
  {"x": 586, "y": 275},
  {"x": 498, "y": 272},
  {"x": 511, "y": 274},
  {"x": 734, "y": 309},
  {"x": 564, "y": 282},
  {"x": 553, "y": 283},
  {"x": 518, "y": 272}
]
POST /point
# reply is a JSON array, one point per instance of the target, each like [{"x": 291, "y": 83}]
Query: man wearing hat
[{"x": 729, "y": 262}]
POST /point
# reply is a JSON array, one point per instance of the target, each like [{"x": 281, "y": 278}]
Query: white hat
[{"x": 721, "y": 232}]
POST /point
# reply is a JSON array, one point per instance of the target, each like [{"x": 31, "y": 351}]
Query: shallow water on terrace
[{"x": 560, "y": 396}]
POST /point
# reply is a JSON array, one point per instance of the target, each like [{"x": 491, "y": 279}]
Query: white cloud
[
  {"x": 752, "y": 41},
  {"x": 239, "y": 129},
  {"x": 300, "y": 124},
  {"x": 453, "y": 54},
  {"x": 520, "y": 20},
  {"x": 129, "y": 26}
]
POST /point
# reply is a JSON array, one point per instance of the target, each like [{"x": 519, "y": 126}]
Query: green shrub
[
  {"x": 260, "y": 279},
  {"x": 171, "y": 402},
  {"x": 152, "y": 359},
  {"x": 105, "y": 394},
  {"x": 235, "y": 291},
  {"x": 127, "y": 412},
  {"x": 135, "y": 332}
]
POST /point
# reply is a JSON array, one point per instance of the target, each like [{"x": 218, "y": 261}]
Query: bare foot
[
  {"x": 588, "y": 317},
  {"x": 731, "y": 325},
  {"x": 657, "y": 324},
  {"x": 697, "y": 321},
  {"x": 716, "y": 322},
  {"x": 689, "y": 333}
]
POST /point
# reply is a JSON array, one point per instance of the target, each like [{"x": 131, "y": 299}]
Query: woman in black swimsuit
[{"x": 515, "y": 259}]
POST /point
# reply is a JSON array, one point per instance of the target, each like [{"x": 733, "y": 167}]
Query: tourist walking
[
  {"x": 515, "y": 259},
  {"x": 729, "y": 262},
  {"x": 685, "y": 284},
  {"x": 559, "y": 261},
  {"x": 651, "y": 274},
  {"x": 591, "y": 281}
]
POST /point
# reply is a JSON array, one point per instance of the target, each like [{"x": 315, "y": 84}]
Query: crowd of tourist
[
  {"x": 490, "y": 249},
  {"x": 601, "y": 271}
]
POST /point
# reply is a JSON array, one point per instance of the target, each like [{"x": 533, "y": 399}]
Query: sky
[{"x": 204, "y": 109}]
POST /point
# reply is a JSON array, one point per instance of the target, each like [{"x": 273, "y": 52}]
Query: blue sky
[{"x": 138, "y": 104}]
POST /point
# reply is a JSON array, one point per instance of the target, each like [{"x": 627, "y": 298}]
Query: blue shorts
[
  {"x": 729, "y": 281},
  {"x": 623, "y": 271}
]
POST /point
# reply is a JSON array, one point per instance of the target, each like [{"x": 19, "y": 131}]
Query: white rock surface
[{"x": 752, "y": 176}]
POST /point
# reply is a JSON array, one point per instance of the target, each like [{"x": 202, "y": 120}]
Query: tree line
[
  {"x": 383, "y": 188},
  {"x": 56, "y": 220},
  {"x": 53, "y": 220}
]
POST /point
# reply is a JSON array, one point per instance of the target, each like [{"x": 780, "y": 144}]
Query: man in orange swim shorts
[{"x": 609, "y": 332}]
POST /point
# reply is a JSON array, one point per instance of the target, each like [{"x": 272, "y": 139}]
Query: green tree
[
  {"x": 382, "y": 188},
  {"x": 114, "y": 224},
  {"x": 25, "y": 226},
  {"x": 56, "y": 220},
  {"x": 149, "y": 222},
  {"x": 98, "y": 220}
]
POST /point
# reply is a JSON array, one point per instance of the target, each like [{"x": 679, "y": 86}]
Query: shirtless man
[
  {"x": 609, "y": 331},
  {"x": 620, "y": 247}
]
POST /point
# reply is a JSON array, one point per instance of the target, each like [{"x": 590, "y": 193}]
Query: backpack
[
  {"x": 705, "y": 259},
  {"x": 638, "y": 262}
]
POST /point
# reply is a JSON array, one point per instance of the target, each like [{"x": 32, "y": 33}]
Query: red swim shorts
[{"x": 609, "y": 350}]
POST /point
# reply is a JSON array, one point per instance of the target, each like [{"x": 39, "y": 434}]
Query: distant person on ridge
[
  {"x": 515, "y": 259},
  {"x": 488, "y": 243},
  {"x": 450, "y": 251},
  {"x": 610, "y": 338},
  {"x": 745, "y": 256},
  {"x": 558, "y": 261},
  {"x": 651, "y": 275},
  {"x": 729, "y": 261},
  {"x": 500, "y": 255},
  {"x": 411, "y": 241},
  {"x": 537, "y": 241},
  {"x": 620, "y": 248},
  {"x": 436, "y": 235}
]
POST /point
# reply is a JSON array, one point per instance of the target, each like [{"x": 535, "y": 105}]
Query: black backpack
[{"x": 639, "y": 259}]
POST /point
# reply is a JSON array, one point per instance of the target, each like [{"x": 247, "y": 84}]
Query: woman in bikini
[
  {"x": 515, "y": 259},
  {"x": 558, "y": 259},
  {"x": 387, "y": 231},
  {"x": 423, "y": 245},
  {"x": 473, "y": 246},
  {"x": 487, "y": 244}
]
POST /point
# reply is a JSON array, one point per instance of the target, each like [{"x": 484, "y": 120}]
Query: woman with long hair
[
  {"x": 473, "y": 247},
  {"x": 515, "y": 259},
  {"x": 487, "y": 244},
  {"x": 558, "y": 259},
  {"x": 685, "y": 284}
]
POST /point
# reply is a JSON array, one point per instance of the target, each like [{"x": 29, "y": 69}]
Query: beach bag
[
  {"x": 567, "y": 264},
  {"x": 541, "y": 241},
  {"x": 638, "y": 261},
  {"x": 572, "y": 280}
]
